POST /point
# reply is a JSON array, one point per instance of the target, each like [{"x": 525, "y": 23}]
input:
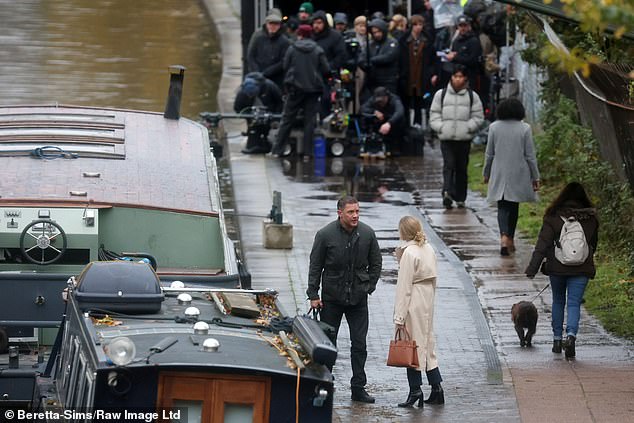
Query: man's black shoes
[
  {"x": 257, "y": 149},
  {"x": 360, "y": 395}
]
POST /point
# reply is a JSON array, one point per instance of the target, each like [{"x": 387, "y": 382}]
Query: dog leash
[{"x": 540, "y": 292}]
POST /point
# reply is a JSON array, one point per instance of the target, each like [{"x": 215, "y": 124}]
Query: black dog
[{"x": 524, "y": 315}]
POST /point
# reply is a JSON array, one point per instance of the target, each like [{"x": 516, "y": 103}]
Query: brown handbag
[{"x": 402, "y": 351}]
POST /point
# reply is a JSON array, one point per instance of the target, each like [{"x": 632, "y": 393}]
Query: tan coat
[{"x": 414, "y": 303}]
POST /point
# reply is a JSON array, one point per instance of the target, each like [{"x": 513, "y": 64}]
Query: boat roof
[
  {"x": 245, "y": 343},
  {"x": 110, "y": 157}
]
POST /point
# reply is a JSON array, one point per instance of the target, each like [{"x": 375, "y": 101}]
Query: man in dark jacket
[
  {"x": 346, "y": 261},
  {"x": 304, "y": 13},
  {"x": 334, "y": 47},
  {"x": 267, "y": 47},
  {"x": 305, "y": 65},
  {"x": 256, "y": 90},
  {"x": 384, "y": 113},
  {"x": 383, "y": 52},
  {"x": 466, "y": 50}
]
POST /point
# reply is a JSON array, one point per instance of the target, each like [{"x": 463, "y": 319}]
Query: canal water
[
  {"x": 107, "y": 53},
  {"x": 111, "y": 53}
]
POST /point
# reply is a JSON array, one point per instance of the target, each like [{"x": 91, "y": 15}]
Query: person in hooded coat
[
  {"x": 414, "y": 308},
  {"x": 334, "y": 47},
  {"x": 381, "y": 63},
  {"x": 256, "y": 90},
  {"x": 305, "y": 65}
]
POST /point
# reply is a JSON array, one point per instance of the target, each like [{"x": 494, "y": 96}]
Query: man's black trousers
[
  {"x": 296, "y": 101},
  {"x": 357, "y": 318}
]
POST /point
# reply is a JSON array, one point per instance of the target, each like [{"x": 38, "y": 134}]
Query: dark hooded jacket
[
  {"x": 269, "y": 95},
  {"x": 549, "y": 233},
  {"x": 384, "y": 56},
  {"x": 331, "y": 42},
  {"x": 469, "y": 54},
  {"x": 305, "y": 66},
  {"x": 393, "y": 111},
  {"x": 265, "y": 54}
]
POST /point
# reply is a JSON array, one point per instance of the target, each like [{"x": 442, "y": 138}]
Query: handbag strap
[{"x": 398, "y": 335}]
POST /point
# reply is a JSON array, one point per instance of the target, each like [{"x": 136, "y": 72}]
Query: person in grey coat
[
  {"x": 510, "y": 168},
  {"x": 346, "y": 261}
]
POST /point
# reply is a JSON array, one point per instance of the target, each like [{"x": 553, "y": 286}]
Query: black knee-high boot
[
  {"x": 437, "y": 395},
  {"x": 414, "y": 380}
]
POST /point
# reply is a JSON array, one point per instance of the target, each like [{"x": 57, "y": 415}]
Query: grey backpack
[{"x": 572, "y": 248}]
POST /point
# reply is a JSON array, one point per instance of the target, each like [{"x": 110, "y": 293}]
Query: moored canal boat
[
  {"x": 133, "y": 349},
  {"x": 80, "y": 184}
]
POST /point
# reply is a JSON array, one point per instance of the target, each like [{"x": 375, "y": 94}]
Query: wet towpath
[{"x": 488, "y": 377}]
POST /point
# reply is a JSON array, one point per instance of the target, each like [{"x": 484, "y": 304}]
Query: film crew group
[{"x": 258, "y": 97}]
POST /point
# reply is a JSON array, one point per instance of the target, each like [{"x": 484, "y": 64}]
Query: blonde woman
[
  {"x": 398, "y": 26},
  {"x": 414, "y": 308}
]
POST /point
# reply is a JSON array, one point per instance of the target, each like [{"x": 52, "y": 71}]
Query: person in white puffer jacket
[{"x": 456, "y": 115}]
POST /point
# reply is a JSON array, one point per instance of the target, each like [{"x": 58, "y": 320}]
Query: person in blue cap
[{"x": 256, "y": 90}]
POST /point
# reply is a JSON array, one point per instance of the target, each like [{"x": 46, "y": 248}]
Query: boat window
[
  {"x": 61, "y": 358},
  {"x": 73, "y": 363},
  {"x": 238, "y": 413},
  {"x": 194, "y": 411},
  {"x": 77, "y": 399},
  {"x": 90, "y": 392},
  {"x": 68, "y": 361}
]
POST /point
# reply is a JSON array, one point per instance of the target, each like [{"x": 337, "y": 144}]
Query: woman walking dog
[{"x": 571, "y": 212}]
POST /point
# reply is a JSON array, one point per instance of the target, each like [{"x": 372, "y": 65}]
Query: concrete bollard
[{"x": 275, "y": 233}]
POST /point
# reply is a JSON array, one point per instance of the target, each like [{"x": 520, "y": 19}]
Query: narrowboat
[
  {"x": 133, "y": 349},
  {"x": 81, "y": 184}
]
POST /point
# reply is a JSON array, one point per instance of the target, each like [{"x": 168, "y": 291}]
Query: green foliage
[
  {"x": 567, "y": 151},
  {"x": 586, "y": 46},
  {"x": 610, "y": 297}
]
